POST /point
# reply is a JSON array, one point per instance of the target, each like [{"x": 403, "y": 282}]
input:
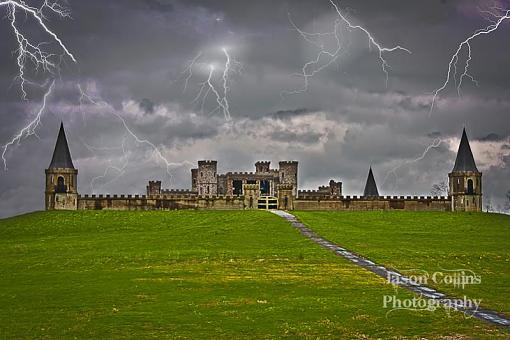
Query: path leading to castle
[{"x": 396, "y": 278}]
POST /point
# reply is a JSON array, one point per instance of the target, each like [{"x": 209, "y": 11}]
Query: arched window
[
  {"x": 470, "y": 189},
  {"x": 61, "y": 186}
]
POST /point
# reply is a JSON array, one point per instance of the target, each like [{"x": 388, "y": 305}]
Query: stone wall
[
  {"x": 306, "y": 201},
  {"x": 312, "y": 201},
  {"x": 158, "y": 202}
]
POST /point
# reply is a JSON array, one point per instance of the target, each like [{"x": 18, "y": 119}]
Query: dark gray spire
[
  {"x": 370, "y": 187},
  {"x": 61, "y": 156},
  {"x": 465, "y": 160}
]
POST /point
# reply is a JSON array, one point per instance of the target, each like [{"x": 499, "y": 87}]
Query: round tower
[
  {"x": 61, "y": 177},
  {"x": 465, "y": 181}
]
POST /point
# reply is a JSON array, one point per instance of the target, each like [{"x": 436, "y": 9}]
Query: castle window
[
  {"x": 61, "y": 186},
  {"x": 470, "y": 189},
  {"x": 207, "y": 189},
  {"x": 201, "y": 174},
  {"x": 237, "y": 186}
]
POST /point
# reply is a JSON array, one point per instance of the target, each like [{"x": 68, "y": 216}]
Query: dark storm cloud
[
  {"x": 147, "y": 105},
  {"x": 491, "y": 137},
  {"x": 132, "y": 57},
  {"x": 283, "y": 114}
]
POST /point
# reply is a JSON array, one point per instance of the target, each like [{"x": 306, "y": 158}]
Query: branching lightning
[
  {"x": 496, "y": 17},
  {"x": 28, "y": 130},
  {"x": 314, "y": 66},
  {"x": 435, "y": 144},
  {"x": 28, "y": 50},
  {"x": 221, "y": 93},
  {"x": 36, "y": 53}
]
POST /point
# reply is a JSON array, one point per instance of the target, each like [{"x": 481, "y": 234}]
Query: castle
[{"x": 265, "y": 188}]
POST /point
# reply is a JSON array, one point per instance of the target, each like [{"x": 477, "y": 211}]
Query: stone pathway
[{"x": 396, "y": 278}]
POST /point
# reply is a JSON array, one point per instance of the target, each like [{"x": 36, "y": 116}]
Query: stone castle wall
[
  {"x": 306, "y": 201},
  {"x": 312, "y": 201},
  {"x": 158, "y": 202}
]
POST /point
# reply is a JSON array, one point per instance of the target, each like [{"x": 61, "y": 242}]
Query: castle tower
[
  {"x": 262, "y": 167},
  {"x": 207, "y": 179},
  {"x": 370, "y": 186},
  {"x": 154, "y": 188},
  {"x": 465, "y": 181},
  {"x": 288, "y": 172},
  {"x": 61, "y": 177}
]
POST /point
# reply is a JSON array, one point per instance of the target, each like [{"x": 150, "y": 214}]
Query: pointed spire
[
  {"x": 370, "y": 186},
  {"x": 464, "y": 160},
  {"x": 61, "y": 155}
]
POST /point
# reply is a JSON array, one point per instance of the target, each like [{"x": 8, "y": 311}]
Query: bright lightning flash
[
  {"x": 496, "y": 16},
  {"x": 221, "y": 93},
  {"x": 326, "y": 57},
  {"x": 27, "y": 49},
  {"x": 28, "y": 130}
]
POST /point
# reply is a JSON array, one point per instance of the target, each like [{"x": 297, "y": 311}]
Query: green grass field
[
  {"x": 195, "y": 274},
  {"x": 430, "y": 241}
]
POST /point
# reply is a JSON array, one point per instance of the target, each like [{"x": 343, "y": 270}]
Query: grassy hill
[
  {"x": 198, "y": 274},
  {"x": 432, "y": 242}
]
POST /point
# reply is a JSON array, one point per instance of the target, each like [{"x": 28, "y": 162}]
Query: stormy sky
[{"x": 132, "y": 62}]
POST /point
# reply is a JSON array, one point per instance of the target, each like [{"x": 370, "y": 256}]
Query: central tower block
[
  {"x": 207, "y": 178},
  {"x": 288, "y": 171}
]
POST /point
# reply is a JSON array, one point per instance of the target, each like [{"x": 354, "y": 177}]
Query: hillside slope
[{"x": 192, "y": 274}]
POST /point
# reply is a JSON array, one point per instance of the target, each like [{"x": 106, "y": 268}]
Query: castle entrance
[{"x": 267, "y": 202}]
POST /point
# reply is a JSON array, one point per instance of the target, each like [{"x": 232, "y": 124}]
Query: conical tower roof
[
  {"x": 61, "y": 156},
  {"x": 370, "y": 186},
  {"x": 464, "y": 160}
]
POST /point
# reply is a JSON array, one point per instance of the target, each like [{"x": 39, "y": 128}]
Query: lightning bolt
[
  {"x": 155, "y": 150},
  {"x": 28, "y": 50},
  {"x": 314, "y": 66},
  {"x": 435, "y": 144},
  {"x": 496, "y": 18},
  {"x": 221, "y": 93},
  {"x": 29, "y": 129}
]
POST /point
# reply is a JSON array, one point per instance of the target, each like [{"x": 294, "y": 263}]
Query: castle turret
[
  {"x": 370, "y": 186},
  {"x": 154, "y": 188},
  {"x": 262, "y": 166},
  {"x": 288, "y": 172},
  {"x": 465, "y": 181},
  {"x": 61, "y": 177}
]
